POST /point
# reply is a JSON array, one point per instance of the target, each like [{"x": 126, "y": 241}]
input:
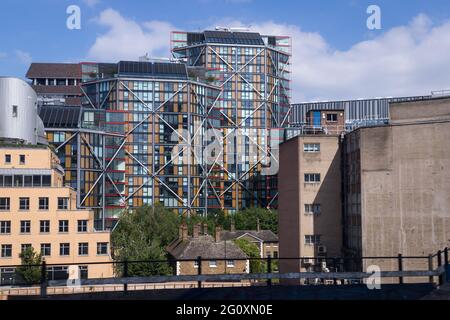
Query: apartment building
[
  {"x": 253, "y": 74},
  {"x": 38, "y": 211},
  {"x": 310, "y": 201},
  {"x": 376, "y": 191}
]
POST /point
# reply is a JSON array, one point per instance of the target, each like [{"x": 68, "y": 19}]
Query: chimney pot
[
  {"x": 196, "y": 230},
  {"x": 217, "y": 233},
  {"x": 183, "y": 232},
  {"x": 205, "y": 229},
  {"x": 233, "y": 226}
]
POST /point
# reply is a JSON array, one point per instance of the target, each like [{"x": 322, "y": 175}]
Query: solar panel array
[
  {"x": 161, "y": 70},
  {"x": 225, "y": 37},
  {"x": 60, "y": 116}
]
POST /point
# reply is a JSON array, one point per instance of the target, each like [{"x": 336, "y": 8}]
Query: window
[
  {"x": 24, "y": 203},
  {"x": 24, "y": 247},
  {"x": 22, "y": 159},
  {"x": 332, "y": 117},
  {"x": 64, "y": 249},
  {"x": 25, "y": 226},
  {"x": 312, "y": 177},
  {"x": 5, "y": 227},
  {"x": 82, "y": 225},
  {"x": 46, "y": 181},
  {"x": 4, "y": 204},
  {"x": 7, "y": 158},
  {"x": 311, "y": 147},
  {"x": 230, "y": 263},
  {"x": 83, "y": 249},
  {"x": 311, "y": 240},
  {"x": 212, "y": 263},
  {"x": 45, "y": 226},
  {"x": 28, "y": 181},
  {"x": 6, "y": 250},
  {"x": 63, "y": 226},
  {"x": 312, "y": 208},
  {"x": 63, "y": 203},
  {"x": 46, "y": 249},
  {"x": 15, "y": 111},
  {"x": 43, "y": 203},
  {"x": 102, "y": 248}
]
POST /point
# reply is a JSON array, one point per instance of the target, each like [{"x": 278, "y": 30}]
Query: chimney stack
[
  {"x": 205, "y": 228},
  {"x": 217, "y": 234},
  {"x": 233, "y": 226},
  {"x": 257, "y": 225},
  {"x": 196, "y": 230},
  {"x": 183, "y": 232}
]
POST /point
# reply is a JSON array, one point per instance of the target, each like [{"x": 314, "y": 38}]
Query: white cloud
[
  {"x": 23, "y": 57},
  {"x": 127, "y": 39},
  {"x": 406, "y": 60}
]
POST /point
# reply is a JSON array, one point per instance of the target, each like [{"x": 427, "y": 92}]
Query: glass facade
[{"x": 253, "y": 73}]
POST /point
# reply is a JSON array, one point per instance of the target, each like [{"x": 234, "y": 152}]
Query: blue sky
[{"x": 328, "y": 35}]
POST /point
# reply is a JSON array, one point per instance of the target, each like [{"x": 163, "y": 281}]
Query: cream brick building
[{"x": 37, "y": 210}]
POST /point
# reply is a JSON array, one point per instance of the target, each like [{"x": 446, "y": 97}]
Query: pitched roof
[
  {"x": 206, "y": 247},
  {"x": 54, "y": 70},
  {"x": 264, "y": 235}
]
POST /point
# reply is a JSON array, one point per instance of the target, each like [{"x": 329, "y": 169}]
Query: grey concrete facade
[{"x": 397, "y": 185}]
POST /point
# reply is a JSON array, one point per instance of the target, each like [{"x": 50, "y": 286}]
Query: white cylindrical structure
[{"x": 18, "y": 110}]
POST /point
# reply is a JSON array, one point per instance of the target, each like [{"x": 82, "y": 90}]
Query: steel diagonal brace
[
  {"x": 107, "y": 96},
  {"x": 104, "y": 170},
  {"x": 89, "y": 99},
  {"x": 67, "y": 141},
  {"x": 91, "y": 151},
  {"x": 152, "y": 176}
]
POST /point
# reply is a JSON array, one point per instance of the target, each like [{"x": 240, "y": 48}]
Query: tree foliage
[
  {"x": 252, "y": 251},
  {"x": 143, "y": 235},
  {"x": 247, "y": 219},
  {"x": 29, "y": 271}
]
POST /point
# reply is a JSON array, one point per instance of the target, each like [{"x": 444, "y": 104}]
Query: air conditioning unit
[{"x": 321, "y": 250}]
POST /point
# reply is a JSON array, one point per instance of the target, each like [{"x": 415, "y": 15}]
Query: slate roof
[
  {"x": 264, "y": 235},
  {"x": 54, "y": 70},
  {"x": 206, "y": 247}
]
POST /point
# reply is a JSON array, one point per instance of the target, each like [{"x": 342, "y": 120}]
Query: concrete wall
[{"x": 405, "y": 185}]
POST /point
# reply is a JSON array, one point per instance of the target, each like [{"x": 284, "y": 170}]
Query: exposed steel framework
[{"x": 253, "y": 72}]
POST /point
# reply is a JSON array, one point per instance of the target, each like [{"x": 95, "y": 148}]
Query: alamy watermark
[
  {"x": 374, "y": 20},
  {"x": 73, "y": 21},
  {"x": 248, "y": 147}
]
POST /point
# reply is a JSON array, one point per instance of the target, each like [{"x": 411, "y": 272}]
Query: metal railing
[{"x": 129, "y": 279}]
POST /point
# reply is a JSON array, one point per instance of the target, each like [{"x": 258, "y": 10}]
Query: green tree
[
  {"x": 143, "y": 235},
  {"x": 252, "y": 251},
  {"x": 247, "y": 219},
  {"x": 29, "y": 270}
]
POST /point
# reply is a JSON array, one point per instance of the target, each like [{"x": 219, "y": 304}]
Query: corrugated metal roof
[{"x": 60, "y": 116}]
